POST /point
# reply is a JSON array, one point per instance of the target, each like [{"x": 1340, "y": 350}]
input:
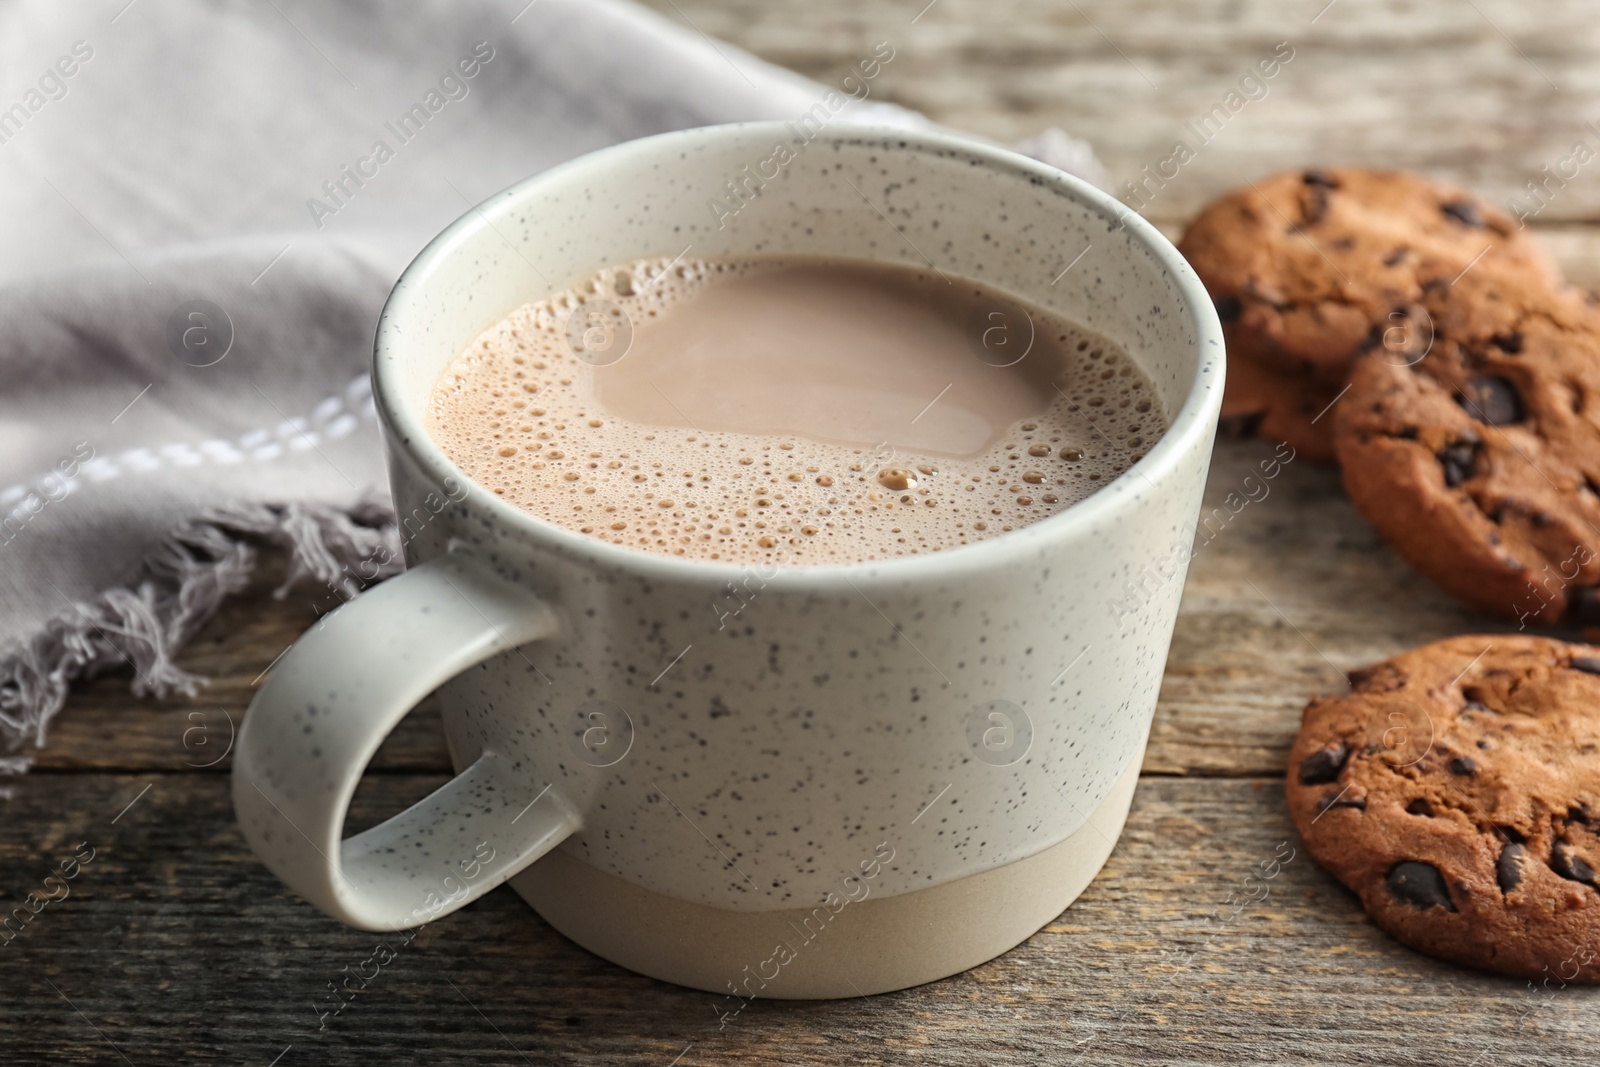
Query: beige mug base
[{"x": 875, "y": 945}]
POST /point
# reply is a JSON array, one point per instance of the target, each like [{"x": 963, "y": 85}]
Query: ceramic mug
[{"x": 801, "y": 781}]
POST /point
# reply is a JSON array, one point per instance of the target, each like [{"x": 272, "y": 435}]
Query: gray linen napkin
[{"x": 206, "y": 207}]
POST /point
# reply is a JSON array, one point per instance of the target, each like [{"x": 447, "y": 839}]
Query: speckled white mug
[{"x": 809, "y": 781}]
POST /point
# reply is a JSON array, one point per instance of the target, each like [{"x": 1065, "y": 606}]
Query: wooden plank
[
  {"x": 1287, "y": 592},
  {"x": 1485, "y": 93},
  {"x": 174, "y": 944},
  {"x": 1577, "y": 249}
]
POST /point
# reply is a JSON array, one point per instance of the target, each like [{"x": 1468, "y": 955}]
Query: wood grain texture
[
  {"x": 175, "y": 945},
  {"x": 1485, "y": 93}
]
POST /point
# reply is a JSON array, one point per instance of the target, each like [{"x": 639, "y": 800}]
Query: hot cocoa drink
[{"x": 791, "y": 410}]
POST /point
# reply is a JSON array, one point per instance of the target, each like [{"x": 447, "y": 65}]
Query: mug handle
[{"x": 326, "y": 708}]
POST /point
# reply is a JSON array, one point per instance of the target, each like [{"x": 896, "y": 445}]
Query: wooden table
[{"x": 176, "y": 946}]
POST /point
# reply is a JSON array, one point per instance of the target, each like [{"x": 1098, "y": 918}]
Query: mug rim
[{"x": 1191, "y": 427}]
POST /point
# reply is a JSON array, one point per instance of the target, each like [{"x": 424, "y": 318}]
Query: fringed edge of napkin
[{"x": 180, "y": 586}]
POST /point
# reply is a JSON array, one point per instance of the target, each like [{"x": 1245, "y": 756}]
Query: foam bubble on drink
[{"x": 518, "y": 412}]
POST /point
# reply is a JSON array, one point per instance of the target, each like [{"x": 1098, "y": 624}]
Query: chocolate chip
[
  {"x": 1316, "y": 206},
  {"x": 1240, "y": 425},
  {"x": 1324, "y": 764},
  {"x": 1419, "y": 884},
  {"x": 1463, "y": 765},
  {"x": 1508, "y": 868},
  {"x": 1459, "y": 460},
  {"x": 1395, "y": 257},
  {"x": 1492, "y": 399},
  {"x": 1421, "y": 807},
  {"x": 1464, "y": 211},
  {"x": 1315, "y": 176},
  {"x": 1569, "y": 864},
  {"x": 1228, "y": 307},
  {"x": 1583, "y": 605},
  {"x": 1509, "y": 343},
  {"x": 1586, "y": 664},
  {"x": 1341, "y": 800}
]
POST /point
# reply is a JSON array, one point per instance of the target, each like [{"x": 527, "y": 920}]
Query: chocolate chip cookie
[
  {"x": 1456, "y": 790},
  {"x": 1310, "y": 268},
  {"x": 1479, "y": 461},
  {"x": 1284, "y": 407}
]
